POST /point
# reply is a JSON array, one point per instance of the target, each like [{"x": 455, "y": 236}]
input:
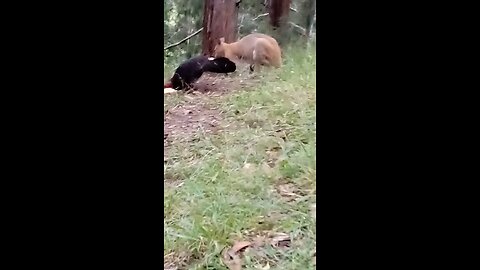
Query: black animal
[{"x": 192, "y": 69}]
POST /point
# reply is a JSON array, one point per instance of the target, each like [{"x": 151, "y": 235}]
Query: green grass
[{"x": 212, "y": 198}]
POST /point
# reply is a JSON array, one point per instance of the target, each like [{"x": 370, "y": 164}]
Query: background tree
[
  {"x": 219, "y": 20},
  {"x": 185, "y": 18},
  {"x": 278, "y": 12}
]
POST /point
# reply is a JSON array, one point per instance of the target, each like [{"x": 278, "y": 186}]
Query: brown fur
[{"x": 257, "y": 49}]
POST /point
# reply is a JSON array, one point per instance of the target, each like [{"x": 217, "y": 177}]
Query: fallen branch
[
  {"x": 240, "y": 24},
  {"x": 183, "y": 40},
  {"x": 298, "y": 27},
  {"x": 261, "y": 15},
  {"x": 265, "y": 14}
]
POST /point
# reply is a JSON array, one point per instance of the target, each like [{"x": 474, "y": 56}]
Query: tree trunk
[
  {"x": 219, "y": 20},
  {"x": 278, "y": 12}
]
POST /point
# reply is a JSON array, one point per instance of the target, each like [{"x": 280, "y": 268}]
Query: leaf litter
[{"x": 234, "y": 258}]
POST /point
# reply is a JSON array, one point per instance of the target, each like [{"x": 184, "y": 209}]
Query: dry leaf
[
  {"x": 233, "y": 263},
  {"x": 287, "y": 190},
  {"x": 169, "y": 90},
  {"x": 239, "y": 246},
  {"x": 231, "y": 257},
  {"x": 281, "y": 240}
]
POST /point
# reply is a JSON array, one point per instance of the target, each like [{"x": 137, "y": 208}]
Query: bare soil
[{"x": 197, "y": 114}]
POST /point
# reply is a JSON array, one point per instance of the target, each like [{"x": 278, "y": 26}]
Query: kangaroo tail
[{"x": 220, "y": 65}]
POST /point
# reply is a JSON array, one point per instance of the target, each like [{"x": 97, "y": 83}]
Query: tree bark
[
  {"x": 219, "y": 20},
  {"x": 278, "y": 11}
]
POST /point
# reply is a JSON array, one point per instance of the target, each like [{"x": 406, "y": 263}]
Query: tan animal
[{"x": 256, "y": 49}]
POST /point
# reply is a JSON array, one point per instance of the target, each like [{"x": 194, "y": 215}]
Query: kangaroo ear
[{"x": 222, "y": 40}]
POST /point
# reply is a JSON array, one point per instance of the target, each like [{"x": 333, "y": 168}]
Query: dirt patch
[
  {"x": 194, "y": 117},
  {"x": 222, "y": 83},
  {"x": 185, "y": 121}
]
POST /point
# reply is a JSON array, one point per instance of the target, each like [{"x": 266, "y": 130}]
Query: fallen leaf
[
  {"x": 288, "y": 190},
  {"x": 231, "y": 257},
  {"x": 232, "y": 262},
  {"x": 281, "y": 240},
  {"x": 239, "y": 246}
]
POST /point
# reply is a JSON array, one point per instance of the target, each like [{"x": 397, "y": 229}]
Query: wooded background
[{"x": 194, "y": 27}]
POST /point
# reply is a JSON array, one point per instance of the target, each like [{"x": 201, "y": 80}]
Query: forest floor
[{"x": 240, "y": 170}]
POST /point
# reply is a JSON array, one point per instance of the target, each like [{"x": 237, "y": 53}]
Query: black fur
[
  {"x": 192, "y": 69},
  {"x": 220, "y": 65}
]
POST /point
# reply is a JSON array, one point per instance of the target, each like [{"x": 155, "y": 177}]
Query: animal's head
[
  {"x": 230, "y": 66},
  {"x": 219, "y": 50},
  {"x": 176, "y": 82},
  {"x": 225, "y": 65}
]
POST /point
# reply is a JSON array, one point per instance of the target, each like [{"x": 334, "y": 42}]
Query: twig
[
  {"x": 265, "y": 14},
  {"x": 240, "y": 24},
  {"x": 302, "y": 30},
  {"x": 183, "y": 40},
  {"x": 261, "y": 15}
]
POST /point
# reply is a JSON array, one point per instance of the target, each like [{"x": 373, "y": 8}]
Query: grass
[{"x": 254, "y": 178}]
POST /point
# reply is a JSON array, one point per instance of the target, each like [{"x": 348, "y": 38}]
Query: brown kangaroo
[{"x": 257, "y": 49}]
